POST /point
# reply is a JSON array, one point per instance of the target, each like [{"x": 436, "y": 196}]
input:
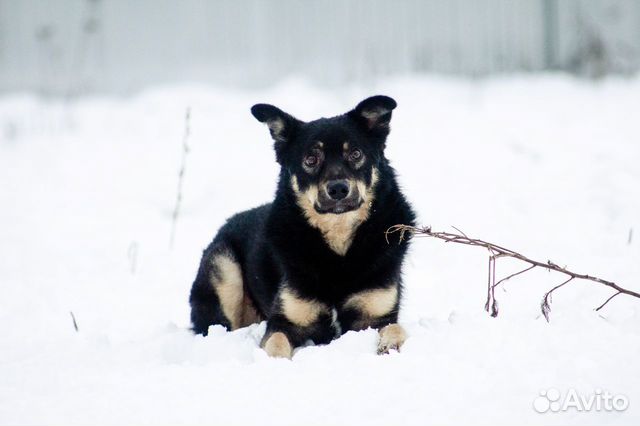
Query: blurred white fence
[{"x": 77, "y": 46}]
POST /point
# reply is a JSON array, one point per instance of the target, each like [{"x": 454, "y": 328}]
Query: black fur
[{"x": 275, "y": 244}]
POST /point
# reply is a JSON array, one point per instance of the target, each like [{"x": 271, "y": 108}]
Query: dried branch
[
  {"x": 183, "y": 166},
  {"x": 545, "y": 305},
  {"x": 495, "y": 252},
  {"x": 73, "y": 318}
]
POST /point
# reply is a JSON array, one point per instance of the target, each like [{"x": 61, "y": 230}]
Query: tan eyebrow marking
[{"x": 345, "y": 146}]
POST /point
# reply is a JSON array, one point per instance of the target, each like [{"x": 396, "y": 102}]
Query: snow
[{"x": 547, "y": 165}]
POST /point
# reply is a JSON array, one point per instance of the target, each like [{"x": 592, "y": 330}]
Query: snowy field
[{"x": 546, "y": 165}]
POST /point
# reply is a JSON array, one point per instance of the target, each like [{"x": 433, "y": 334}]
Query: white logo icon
[{"x": 548, "y": 399}]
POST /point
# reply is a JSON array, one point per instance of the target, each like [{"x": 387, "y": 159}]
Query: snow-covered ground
[{"x": 545, "y": 165}]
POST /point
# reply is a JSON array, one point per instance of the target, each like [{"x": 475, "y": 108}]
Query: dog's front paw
[
  {"x": 392, "y": 337},
  {"x": 277, "y": 345}
]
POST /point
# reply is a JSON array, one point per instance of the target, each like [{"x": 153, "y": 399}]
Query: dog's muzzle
[{"x": 338, "y": 196}]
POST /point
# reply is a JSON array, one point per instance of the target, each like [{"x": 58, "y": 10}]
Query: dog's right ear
[{"x": 282, "y": 126}]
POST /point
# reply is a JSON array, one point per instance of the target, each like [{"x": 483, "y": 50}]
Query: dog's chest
[{"x": 338, "y": 231}]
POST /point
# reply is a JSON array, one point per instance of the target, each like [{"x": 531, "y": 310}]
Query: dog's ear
[
  {"x": 374, "y": 114},
  {"x": 282, "y": 126}
]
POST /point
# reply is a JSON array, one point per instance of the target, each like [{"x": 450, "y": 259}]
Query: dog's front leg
[
  {"x": 293, "y": 321},
  {"x": 376, "y": 308}
]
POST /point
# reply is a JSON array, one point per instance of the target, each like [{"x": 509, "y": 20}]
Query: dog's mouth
[{"x": 338, "y": 207}]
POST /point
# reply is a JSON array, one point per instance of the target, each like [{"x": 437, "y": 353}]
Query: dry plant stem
[
  {"x": 495, "y": 252},
  {"x": 73, "y": 318},
  {"x": 545, "y": 305},
  {"x": 183, "y": 166}
]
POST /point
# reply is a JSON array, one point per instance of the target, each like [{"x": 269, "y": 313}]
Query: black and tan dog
[{"x": 315, "y": 262}]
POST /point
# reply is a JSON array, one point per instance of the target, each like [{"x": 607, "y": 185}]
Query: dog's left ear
[{"x": 374, "y": 114}]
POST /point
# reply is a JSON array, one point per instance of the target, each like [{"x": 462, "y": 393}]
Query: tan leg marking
[
  {"x": 392, "y": 336},
  {"x": 302, "y": 312},
  {"x": 337, "y": 229},
  {"x": 374, "y": 303},
  {"x": 227, "y": 282},
  {"x": 277, "y": 345}
]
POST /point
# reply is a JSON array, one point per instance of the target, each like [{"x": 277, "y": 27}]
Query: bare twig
[
  {"x": 545, "y": 305},
  {"x": 183, "y": 166},
  {"x": 491, "y": 305},
  {"x": 513, "y": 275},
  {"x": 73, "y": 318},
  {"x": 496, "y": 251}
]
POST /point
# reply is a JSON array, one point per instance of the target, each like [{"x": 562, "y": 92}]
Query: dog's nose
[{"x": 338, "y": 189}]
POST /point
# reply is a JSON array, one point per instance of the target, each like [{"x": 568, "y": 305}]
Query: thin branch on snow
[
  {"x": 495, "y": 252},
  {"x": 73, "y": 318},
  {"x": 183, "y": 166}
]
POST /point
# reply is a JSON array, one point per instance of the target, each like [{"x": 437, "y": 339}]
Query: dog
[{"x": 316, "y": 262}]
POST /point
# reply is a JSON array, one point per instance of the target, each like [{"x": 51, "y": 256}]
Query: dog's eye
[
  {"x": 355, "y": 155},
  {"x": 311, "y": 160}
]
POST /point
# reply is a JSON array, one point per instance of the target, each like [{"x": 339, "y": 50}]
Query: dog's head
[{"x": 332, "y": 163}]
